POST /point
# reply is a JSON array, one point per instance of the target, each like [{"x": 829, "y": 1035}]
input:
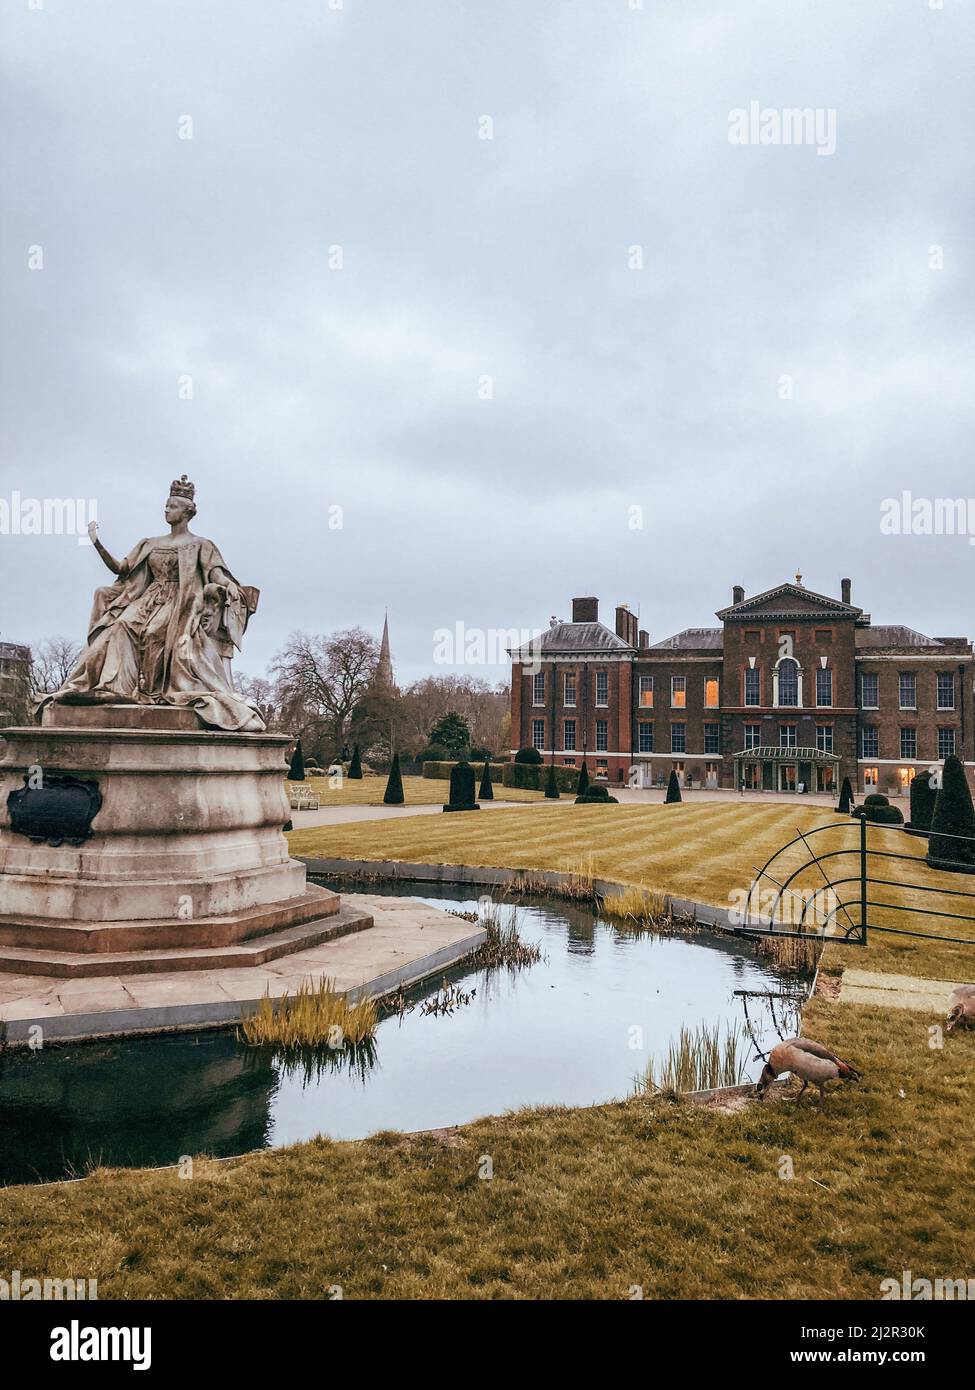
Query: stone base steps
[
  {"x": 165, "y": 933},
  {"x": 255, "y": 951}
]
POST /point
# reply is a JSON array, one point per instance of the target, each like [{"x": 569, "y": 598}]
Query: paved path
[
  {"x": 407, "y": 941},
  {"x": 896, "y": 991},
  {"x": 341, "y": 815}
]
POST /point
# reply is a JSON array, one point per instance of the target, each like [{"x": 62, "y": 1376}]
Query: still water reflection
[{"x": 561, "y": 1031}]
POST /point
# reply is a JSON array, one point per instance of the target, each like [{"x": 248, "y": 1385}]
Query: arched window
[{"x": 788, "y": 681}]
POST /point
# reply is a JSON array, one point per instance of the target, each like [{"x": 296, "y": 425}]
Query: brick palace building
[{"x": 793, "y": 691}]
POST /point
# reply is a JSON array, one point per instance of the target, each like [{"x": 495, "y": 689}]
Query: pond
[{"x": 574, "y": 1029}]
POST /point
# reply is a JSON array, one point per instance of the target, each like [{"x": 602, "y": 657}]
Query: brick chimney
[
  {"x": 585, "y": 610},
  {"x": 738, "y": 594},
  {"x": 644, "y": 639},
  {"x": 845, "y": 590}
]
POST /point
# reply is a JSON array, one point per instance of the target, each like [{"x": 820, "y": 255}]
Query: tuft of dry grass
[
  {"x": 699, "y": 1060},
  {"x": 799, "y": 954},
  {"x": 636, "y": 907},
  {"x": 314, "y": 1016}
]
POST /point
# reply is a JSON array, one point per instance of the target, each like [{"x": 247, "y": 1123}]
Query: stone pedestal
[{"x": 184, "y": 852}]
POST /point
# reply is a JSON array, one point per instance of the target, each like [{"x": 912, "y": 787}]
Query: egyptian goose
[
  {"x": 808, "y": 1060},
  {"x": 962, "y": 1007}
]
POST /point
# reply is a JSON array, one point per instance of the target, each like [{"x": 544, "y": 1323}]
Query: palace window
[
  {"x": 870, "y": 690},
  {"x": 538, "y": 689},
  {"x": 787, "y": 735},
  {"x": 569, "y": 689},
  {"x": 908, "y": 743},
  {"x": 602, "y": 688},
  {"x": 824, "y": 738},
  {"x": 645, "y": 736},
  {"x": 712, "y": 738},
  {"x": 538, "y": 733},
  {"x": 788, "y": 681},
  {"x": 569, "y": 736},
  {"x": 753, "y": 735},
  {"x": 602, "y": 735},
  {"x": 678, "y": 692},
  {"x": 946, "y": 743},
  {"x": 753, "y": 686},
  {"x": 646, "y": 692},
  {"x": 907, "y": 686},
  {"x": 869, "y": 743},
  {"x": 711, "y": 693},
  {"x": 824, "y": 686},
  {"x": 678, "y": 738},
  {"x": 946, "y": 690}
]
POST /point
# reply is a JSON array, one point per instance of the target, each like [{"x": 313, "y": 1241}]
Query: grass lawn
[
  {"x": 419, "y": 791},
  {"x": 686, "y": 1202},
  {"x": 683, "y": 1201},
  {"x": 705, "y": 852}
]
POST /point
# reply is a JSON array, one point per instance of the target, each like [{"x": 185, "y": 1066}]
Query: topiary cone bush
[
  {"x": 551, "y": 784},
  {"x": 582, "y": 786},
  {"x": 953, "y": 816},
  {"x": 394, "y": 787},
  {"x": 485, "y": 791},
  {"x": 355, "y": 766},
  {"x": 846, "y": 798},
  {"x": 673, "y": 789},
  {"x": 923, "y": 797},
  {"x": 462, "y": 789},
  {"x": 296, "y": 772}
]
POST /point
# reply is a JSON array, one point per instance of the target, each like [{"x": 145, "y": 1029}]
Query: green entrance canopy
[{"x": 771, "y": 753}]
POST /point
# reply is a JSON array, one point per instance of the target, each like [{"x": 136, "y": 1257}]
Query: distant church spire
[{"x": 384, "y": 671}]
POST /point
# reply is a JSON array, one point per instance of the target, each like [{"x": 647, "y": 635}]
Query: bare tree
[
  {"x": 53, "y": 660},
  {"x": 321, "y": 681},
  {"x": 485, "y": 708}
]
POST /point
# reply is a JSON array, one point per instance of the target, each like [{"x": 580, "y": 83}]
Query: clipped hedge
[
  {"x": 442, "y": 770},
  {"x": 533, "y": 777}
]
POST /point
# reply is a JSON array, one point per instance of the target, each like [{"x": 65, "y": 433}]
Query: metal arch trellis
[{"x": 855, "y": 932}]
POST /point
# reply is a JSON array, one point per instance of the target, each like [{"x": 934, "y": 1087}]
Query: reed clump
[
  {"x": 504, "y": 946},
  {"x": 314, "y": 1016},
  {"x": 700, "y": 1059},
  {"x": 799, "y": 954}
]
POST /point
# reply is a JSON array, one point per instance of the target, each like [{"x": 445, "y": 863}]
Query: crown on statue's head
[{"x": 182, "y": 487}]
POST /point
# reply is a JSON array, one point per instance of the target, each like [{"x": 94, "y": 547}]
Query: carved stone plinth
[{"x": 163, "y": 837}]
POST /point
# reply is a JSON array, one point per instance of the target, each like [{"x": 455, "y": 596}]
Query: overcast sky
[{"x": 465, "y": 258}]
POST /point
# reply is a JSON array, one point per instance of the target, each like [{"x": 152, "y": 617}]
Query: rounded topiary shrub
[
  {"x": 923, "y": 797},
  {"x": 952, "y": 841},
  {"x": 883, "y": 815},
  {"x": 528, "y": 755},
  {"x": 596, "y": 794},
  {"x": 875, "y": 799}
]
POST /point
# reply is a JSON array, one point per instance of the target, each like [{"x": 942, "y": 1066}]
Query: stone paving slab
[
  {"x": 408, "y": 941},
  {"x": 896, "y": 991}
]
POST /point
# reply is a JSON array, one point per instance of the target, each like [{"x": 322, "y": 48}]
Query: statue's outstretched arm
[{"x": 110, "y": 560}]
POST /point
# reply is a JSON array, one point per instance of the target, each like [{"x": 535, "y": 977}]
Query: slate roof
[
  {"x": 692, "y": 639},
  {"x": 574, "y": 637},
  {"x": 894, "y": 635}
]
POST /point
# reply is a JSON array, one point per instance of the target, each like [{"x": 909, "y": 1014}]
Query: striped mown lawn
[{"x": 706, "y": 852}]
